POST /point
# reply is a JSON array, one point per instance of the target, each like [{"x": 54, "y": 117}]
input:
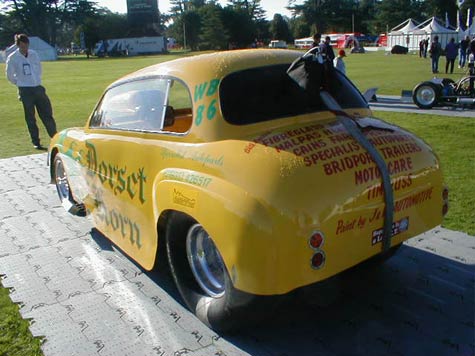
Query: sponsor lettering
[
  {"x": 398, "y": 184},
  {"x": 188, "y": 177},
  {"x": 119, "y": 222},
  {"x": 181, "y": 198},
  {"x": 397, "y": 227},
  {"x": 202, "y": 91},
  {"x": 119, "y": 179},
  {"x": 205, "y": 159},
  {"x": 365, "y": 175}
]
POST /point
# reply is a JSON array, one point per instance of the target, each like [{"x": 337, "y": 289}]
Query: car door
[
  {"x": 126, "y": 135},
  {"x": 120, "y": 144}
]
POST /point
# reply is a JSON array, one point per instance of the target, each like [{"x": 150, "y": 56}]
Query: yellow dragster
[{"x": 247, "y": 181}]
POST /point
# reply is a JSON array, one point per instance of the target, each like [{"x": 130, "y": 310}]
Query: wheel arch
[
  {"x": 239, "y": 225},
  {"x": 51, "y": 158}
]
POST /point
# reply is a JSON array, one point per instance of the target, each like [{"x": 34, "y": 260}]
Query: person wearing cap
[
  {"x": 23, "y": 69},
  {"x": 338, "y": 62}
]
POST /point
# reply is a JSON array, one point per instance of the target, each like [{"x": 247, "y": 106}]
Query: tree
[
  {"x": 186, "y": 29},
  {"x": 45, "y": 18},
  {"x": 279, "y": 28},
  {"x": 251, "y": 7},
  {"x": 390, "y": 13},
  {"x": 9, "y": 26},
  {"x": 299, "y": 28},
  {"x": 326, "y": 16},
  {"x": 213, "y": 33},
  {"x": 242, "y": 31}
]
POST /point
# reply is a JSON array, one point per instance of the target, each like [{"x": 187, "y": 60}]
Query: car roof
[{"x": 195, "y": 69}]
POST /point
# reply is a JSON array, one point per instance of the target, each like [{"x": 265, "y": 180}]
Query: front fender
[{"x": 241, "y": 227}]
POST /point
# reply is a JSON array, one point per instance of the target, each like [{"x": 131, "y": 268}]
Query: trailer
[{"x": 130, "y": 46}]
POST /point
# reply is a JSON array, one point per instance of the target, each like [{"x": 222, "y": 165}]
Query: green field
[{"x": 75, "y": 84}]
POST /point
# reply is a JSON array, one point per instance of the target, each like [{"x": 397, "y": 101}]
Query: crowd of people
[
  {"x": 464, "y": 49},
  {"x": 326, "y": 49}
]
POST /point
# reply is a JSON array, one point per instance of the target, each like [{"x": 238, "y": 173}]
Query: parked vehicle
[
  {"x": 247, "y": 184},
  {"x": 444, "y": 92},
  {"x": 277, "y": 44},
  {"x": 130, "y": 46}
]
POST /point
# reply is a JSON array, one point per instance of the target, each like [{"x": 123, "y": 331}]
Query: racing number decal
[{"x": 202, "y": 90}]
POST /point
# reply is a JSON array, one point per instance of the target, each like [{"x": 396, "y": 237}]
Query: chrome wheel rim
[
  {"x": 426, "y": 95},
  {"x": 205, "y": 261},
  {"x": 62, "y": 185}
]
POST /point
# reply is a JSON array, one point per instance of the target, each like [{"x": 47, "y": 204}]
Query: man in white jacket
[{"x": 23, "y": 69}]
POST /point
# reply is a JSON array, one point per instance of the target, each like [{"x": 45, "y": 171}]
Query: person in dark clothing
[
  {"x": 317, "y": 39},
  {"x": 471, "y": 65},
  {"x": 463, "y": 51},
  {"x": 328, "y": 50},
  {"x": 421, "y": 48},
  {"x": 23, "y": 69},
  {"x": 426, "y": 46},
  {"x": 450, "y": 55},
  {"x": 435, "y": 49}
]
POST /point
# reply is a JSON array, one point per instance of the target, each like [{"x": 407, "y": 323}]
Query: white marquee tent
[
  {"x": 434, "y": 27},
  {"x": 404, "y": 35},
  {"x": 44, "y": 50},
  {"x": 400, "y": 33},
  {"x": 470, "y": 31}
]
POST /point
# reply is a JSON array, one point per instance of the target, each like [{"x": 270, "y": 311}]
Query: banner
[{"x": 469, "y": 17}]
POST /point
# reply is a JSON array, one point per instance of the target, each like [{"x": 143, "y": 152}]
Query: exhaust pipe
[{"x": 466, "y": 101}]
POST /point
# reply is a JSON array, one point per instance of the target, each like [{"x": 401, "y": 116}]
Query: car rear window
[{"x": 268, "y": 93}]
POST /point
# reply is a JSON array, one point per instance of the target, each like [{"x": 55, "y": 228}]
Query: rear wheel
[
  {"x": 426, "y": 95},
  {"x": 203, "y": 281},
  {"x": 64, "y": 190}
]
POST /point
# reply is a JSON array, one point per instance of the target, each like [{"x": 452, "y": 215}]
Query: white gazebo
[
  {"x": 434, "y": 27},
  {"x": 400, "y": 34},
  {"x": 45, "y": 51}
]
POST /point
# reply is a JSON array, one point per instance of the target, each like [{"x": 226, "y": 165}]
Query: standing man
[
  {"x": 317, "y": 39},
  {"x": 463, "y": 51},
  {"x": 23, "y": 69},
  {"x": 435, "y": 50},
  {"x": 426, "y": 46},
  {"x": 471, "y": 65},
  {"x": 450, "y": 55},
  {"x": 328, "y": 50}
]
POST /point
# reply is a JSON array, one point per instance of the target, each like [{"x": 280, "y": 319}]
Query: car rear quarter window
[
  {"x": 267, "y": 93},
  {"x": 155, "y": 105}
]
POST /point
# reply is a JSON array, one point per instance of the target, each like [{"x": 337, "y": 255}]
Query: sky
[{"x": 271, "y": 6}]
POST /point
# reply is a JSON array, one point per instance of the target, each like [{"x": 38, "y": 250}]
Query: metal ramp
[{"x": 85, "y": 298}]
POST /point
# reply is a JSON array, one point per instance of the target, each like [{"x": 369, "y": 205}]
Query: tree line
[{"x": 206, "y": 24}]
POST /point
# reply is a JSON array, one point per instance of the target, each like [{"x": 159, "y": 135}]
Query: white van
[{"x": 277, "y": 44}]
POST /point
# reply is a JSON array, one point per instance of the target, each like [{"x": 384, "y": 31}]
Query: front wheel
[
  {"x": 64, "y": 190},
  {"x": 203, "y": 281},
  {"x": 426, "y": 95}
]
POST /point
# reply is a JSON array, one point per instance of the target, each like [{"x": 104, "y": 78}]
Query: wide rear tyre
[
  {"x": 203, "y": 280},
  {"x": 64, "y": 190},
  {"x": 426, "y": 95}
]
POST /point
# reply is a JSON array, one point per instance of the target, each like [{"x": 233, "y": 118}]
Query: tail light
[
  {"x": 315, "y": 242},
  {"x": 318, "y": 260}
]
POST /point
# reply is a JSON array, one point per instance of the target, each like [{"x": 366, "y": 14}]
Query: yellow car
[{"x": 246, "y": 177}]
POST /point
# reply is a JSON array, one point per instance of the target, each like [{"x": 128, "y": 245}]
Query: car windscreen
[{"x": 267, "y": 93}]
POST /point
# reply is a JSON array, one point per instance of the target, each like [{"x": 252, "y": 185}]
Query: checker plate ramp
[{"x": 85, "y": 298}]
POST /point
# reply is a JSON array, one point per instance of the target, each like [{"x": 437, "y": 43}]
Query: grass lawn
[{"x": 75, "y": 84}]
